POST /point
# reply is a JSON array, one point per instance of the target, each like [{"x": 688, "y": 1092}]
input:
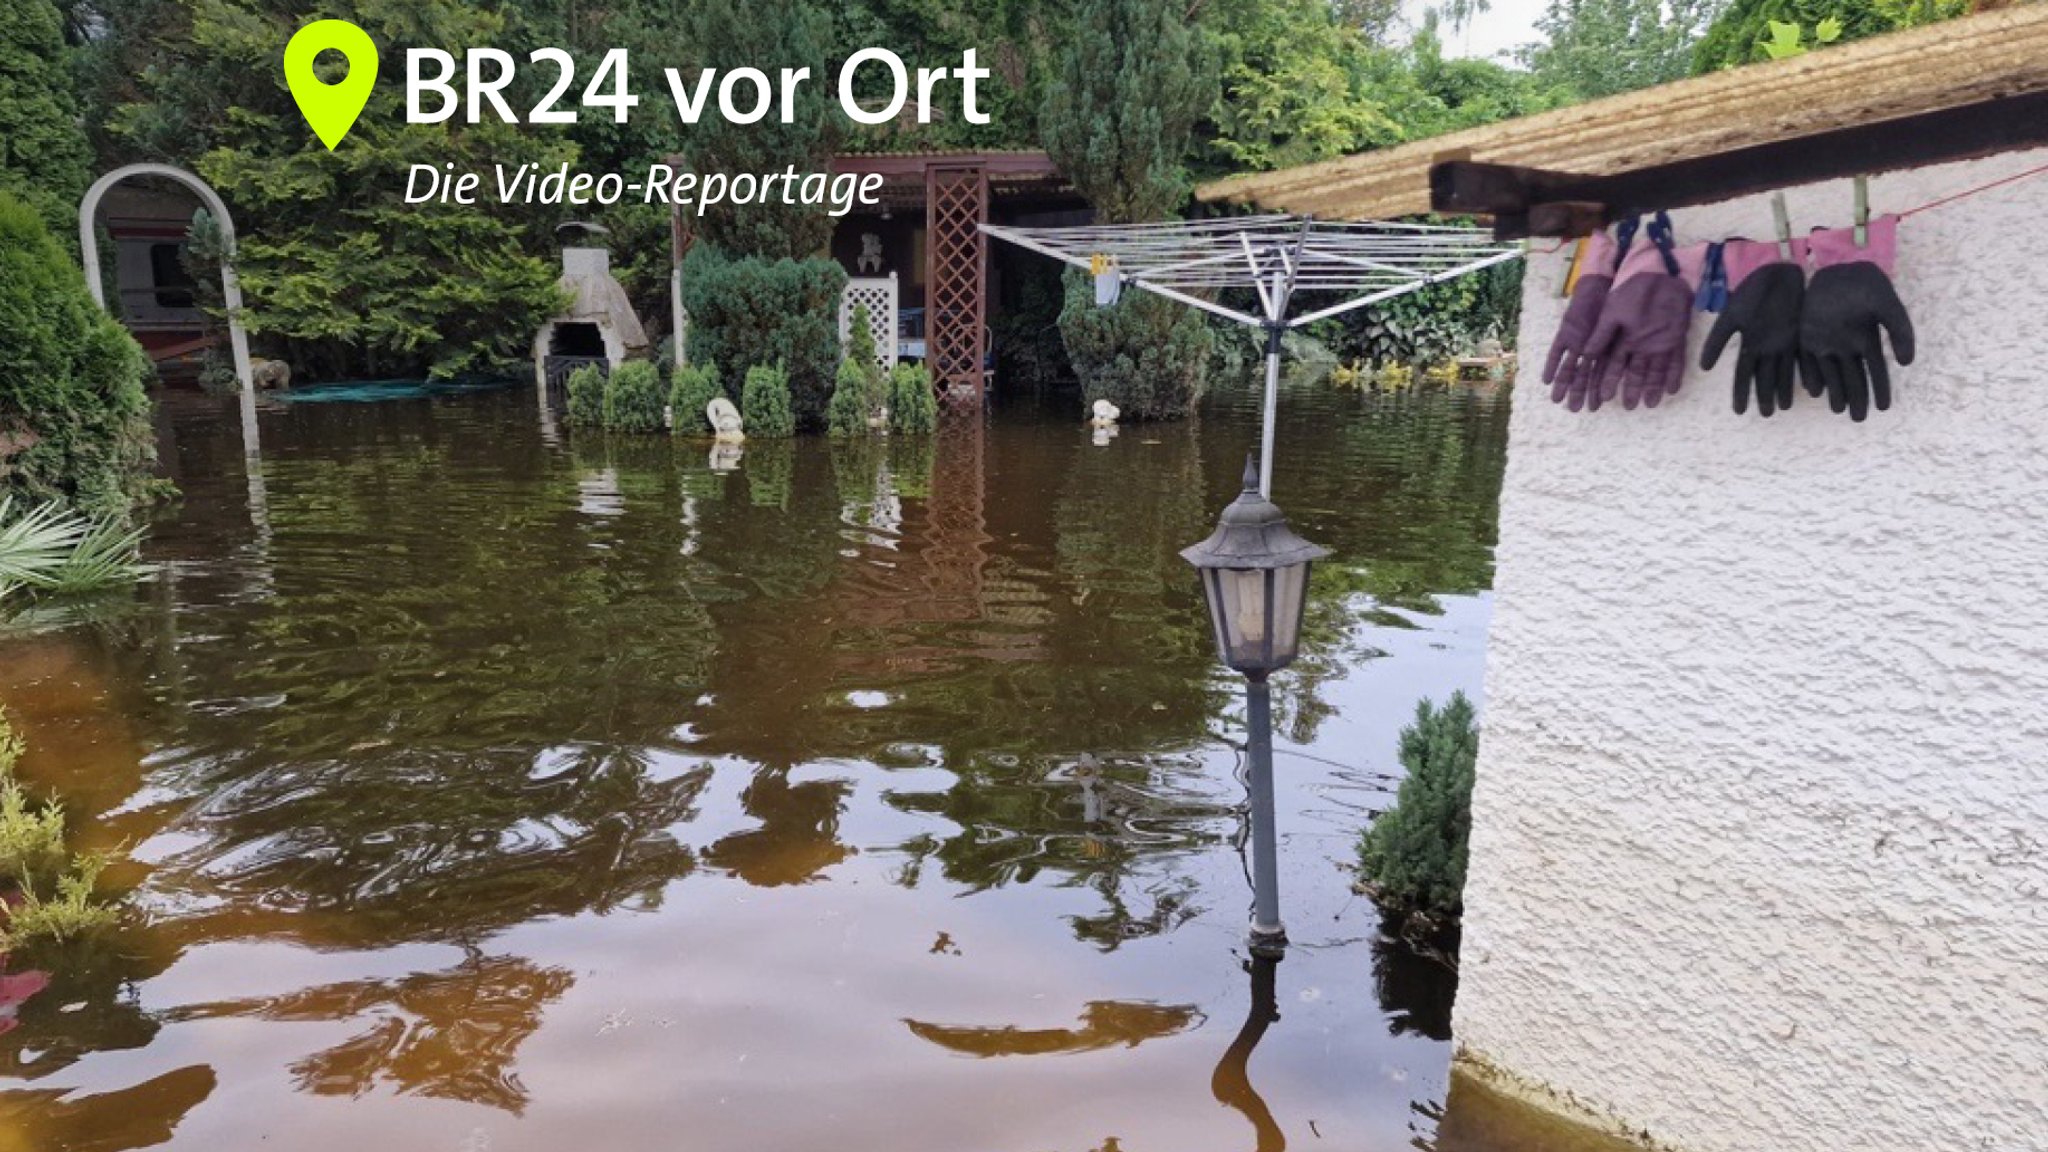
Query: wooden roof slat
[{"x": 1969, "y": 61}]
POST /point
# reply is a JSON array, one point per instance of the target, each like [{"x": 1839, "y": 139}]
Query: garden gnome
[{"x": 725, "y": 420}]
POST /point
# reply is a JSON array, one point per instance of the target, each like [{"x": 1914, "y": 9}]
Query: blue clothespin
[{"x": 1713, "y": 293}]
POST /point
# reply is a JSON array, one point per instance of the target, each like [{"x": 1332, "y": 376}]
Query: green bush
[
  {"x": 1413, "y": 856},
  {"x": 632, "y": 398},
  {"x": 586, "y": 397},
  {"x": 44, "y": 157},
  {"x": 696, "y": 386},
  {"x": 74, "y": 420},
  {"x": 34, "y": 860},
  {"x": 848, "y": 413},
  {"x": 765, "y": 403},
  {"x": 913, "y": 406},
  {"x": 1145, "y": 354},
  {"x": 753, "y": 311}
]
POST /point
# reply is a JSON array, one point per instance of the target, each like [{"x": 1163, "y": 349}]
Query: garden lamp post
[{"x": 1255, "y": 577}]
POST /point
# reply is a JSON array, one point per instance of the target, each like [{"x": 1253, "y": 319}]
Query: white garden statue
[
  {"x": 726, "y": 425},
  {"x": 1103, "y": 415},
  {"x": 870, "y": 259}
]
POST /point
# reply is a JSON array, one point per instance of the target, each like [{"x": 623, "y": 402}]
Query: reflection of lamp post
[
  {"x": 1231, "y": 1083},
  {"x": 1255, "y": 575}
]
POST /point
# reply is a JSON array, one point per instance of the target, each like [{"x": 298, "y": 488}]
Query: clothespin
[
  {"x": 1783, "y": 219},
  {"x": 1862, "y": 210}
]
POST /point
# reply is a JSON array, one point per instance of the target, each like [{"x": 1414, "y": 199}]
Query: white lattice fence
[{"x": 879, "y": 294}]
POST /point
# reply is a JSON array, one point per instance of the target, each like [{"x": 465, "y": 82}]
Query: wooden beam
[{"x": 1959, "y": 64}]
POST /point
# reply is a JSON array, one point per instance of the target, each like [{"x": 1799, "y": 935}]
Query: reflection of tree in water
[
  {"x": 452, "y": 1035},
  {"x": 1417, "y": 982},
  {"x": 1104, "y": 1024},
  {"x": 142, "y": 1116},
  {"x": 1407, "y": 503},
  {"x": 799, "y": 833}
]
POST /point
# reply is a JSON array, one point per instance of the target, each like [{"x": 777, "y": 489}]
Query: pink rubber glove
[
  {"x": 1849, "y": 299},
  {"x": 1640, "y": 340},
  {"x": 1570, "y": 372}
]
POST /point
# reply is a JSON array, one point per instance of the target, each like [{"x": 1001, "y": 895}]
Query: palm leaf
[{"x": 35, "y": 545}]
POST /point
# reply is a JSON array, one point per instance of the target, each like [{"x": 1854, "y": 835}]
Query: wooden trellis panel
[{"x": 956, "y": 278}]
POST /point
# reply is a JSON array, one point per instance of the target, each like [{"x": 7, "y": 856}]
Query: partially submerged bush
[
  {"x": 632, "y": 398},
  {"x": 848, "y": 413},
  {"x": 752, "y": 311},
  {"x": 53, "y": 892},
  {"x": 586, "y": 397},
  {"x": 696, "y": 386},
  {"x": 1413, "y": 856},
  {"x": 1145, "y": 354},
  {"x": 765, "y": 403},
  {"x": 913, "y": 406},
  {"x": 74, "y": 420}
]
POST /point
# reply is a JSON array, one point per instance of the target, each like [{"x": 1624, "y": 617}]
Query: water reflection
[
  {"x": 831, "y": 760},
  {"x": 1231, "y": 1083}
]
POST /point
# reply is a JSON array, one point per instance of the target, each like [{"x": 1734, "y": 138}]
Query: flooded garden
[{"x": 487, "y": 787}]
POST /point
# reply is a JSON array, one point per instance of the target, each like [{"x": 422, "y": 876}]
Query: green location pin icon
[{"x": 331, "y": 108}]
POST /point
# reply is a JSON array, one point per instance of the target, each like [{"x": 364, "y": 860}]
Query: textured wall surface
[{"x": 1760, "y": 839}]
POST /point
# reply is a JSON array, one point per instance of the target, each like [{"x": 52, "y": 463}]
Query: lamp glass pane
[
  {"x": 1245, "y": 620},
  {"x": 1290, "y": 586}
]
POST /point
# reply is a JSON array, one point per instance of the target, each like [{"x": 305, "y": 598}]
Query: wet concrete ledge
[{"x": 1491, "y": 1110}]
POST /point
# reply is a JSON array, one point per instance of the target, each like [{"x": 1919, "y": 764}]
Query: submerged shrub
[
  {"x": 745, "y": 312},
  {"x": 1145, "y": 354},
  {"x": 632, "y": 398},
  {"x": 50, "y": 549},
  {"x": 586, "y": 396},
  {"x": 696, "y": 386},
  {"x": 1413, "y": 856},
  {"x": 765, "y": 402},
  {"x": 74, "y": 420},
  {"x": 913, "y": 406},
  {"x": 53, "y": 892},
  {"x": 848, "y": 413}
]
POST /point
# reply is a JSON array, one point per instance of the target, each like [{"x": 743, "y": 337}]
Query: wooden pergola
[
  {"x": 1951, "y": 91},
  {"x": 955, "y": 189}
]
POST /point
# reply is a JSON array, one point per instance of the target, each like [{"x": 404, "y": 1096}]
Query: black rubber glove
[
  {"x": 1764, "y": 308},
  {"x": 1849, "y": 299}
]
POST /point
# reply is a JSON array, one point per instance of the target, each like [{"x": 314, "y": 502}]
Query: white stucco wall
[{"x": 1760, "y": 837}]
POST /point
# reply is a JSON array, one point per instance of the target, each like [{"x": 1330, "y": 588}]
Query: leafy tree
[
  {"x": 586, "y": 396},
  {"x": 1743, "y": 32},
  {"x": 1290, "y": 91},
  {"x": 74, "y": 420},
  {"x": 696, "y": 386},
  {"x": 1595, "y": 48},
  {"x": 44, "y": 158},
  {"x": 342, "y": 277},
  {"x": 1415, "y": 852},
  {"x": 764, "y": 403},
  {"x": 913, "y": 406},
  {"x": 633, "y": 399}
]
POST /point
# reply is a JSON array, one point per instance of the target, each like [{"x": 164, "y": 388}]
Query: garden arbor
[{"x": 230, "y": 286}]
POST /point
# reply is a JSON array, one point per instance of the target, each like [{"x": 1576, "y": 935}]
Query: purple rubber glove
[
  {"x": 1850, "y": 298},
  {"x": 1765, "y": 292},
  {"x": 1640, "y": 340},
  {"x": 1572, "y": 374}
]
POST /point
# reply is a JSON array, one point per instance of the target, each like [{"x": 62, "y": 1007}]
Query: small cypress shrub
[
  {"x": 1413, "y": 856},
  {"x": 913, "y": 406},
  {"x": 633, "y": 399},
  {"x": 847, "y": 414},
  {"x": 764, "y": 402},
  {"x": 695, "y": 387},
  {"x": 586, "y": 396}
]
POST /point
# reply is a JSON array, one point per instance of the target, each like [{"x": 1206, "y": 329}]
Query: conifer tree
[{"x": 44, "y": 159}]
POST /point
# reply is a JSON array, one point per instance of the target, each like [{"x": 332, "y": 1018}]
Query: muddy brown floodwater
[{"x": 491, "y": 790}]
